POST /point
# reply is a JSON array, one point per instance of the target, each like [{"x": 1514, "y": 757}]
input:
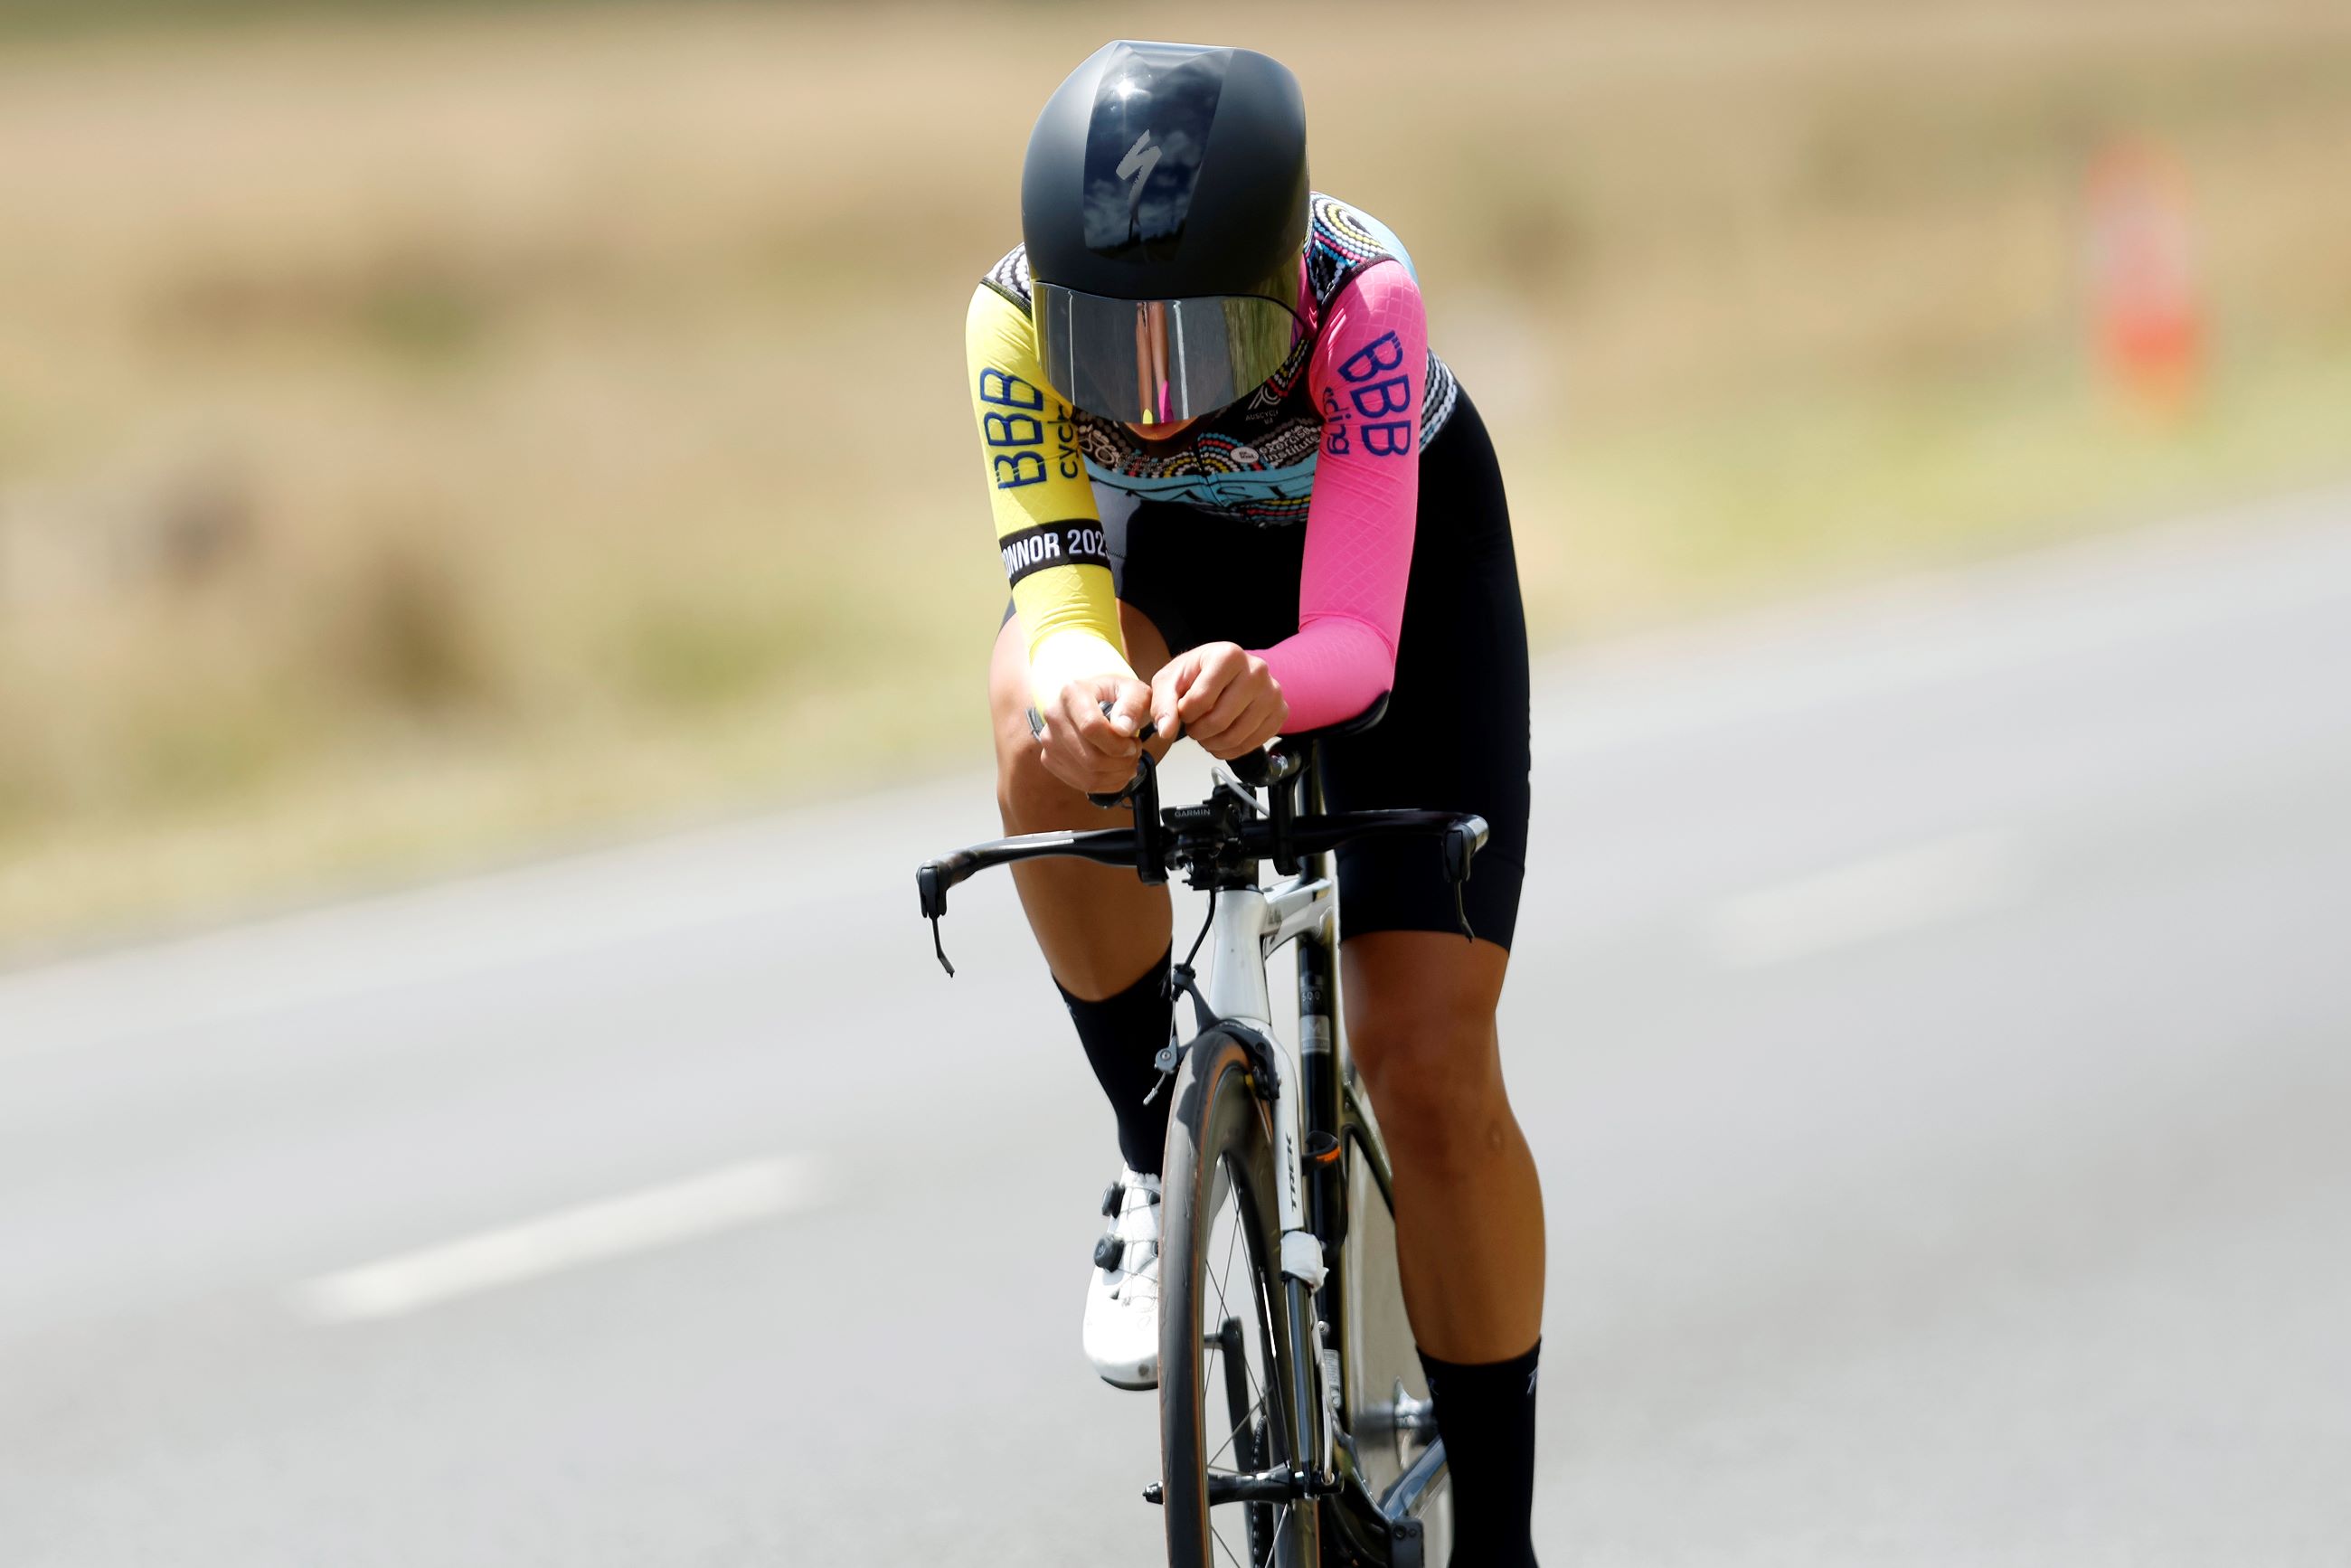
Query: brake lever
[
  {"x": 934, "y": 893},
  {"x": 1462, "y": 841}
]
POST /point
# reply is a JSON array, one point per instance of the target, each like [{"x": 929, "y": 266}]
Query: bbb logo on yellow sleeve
[{"x": 1016, "y": 435}]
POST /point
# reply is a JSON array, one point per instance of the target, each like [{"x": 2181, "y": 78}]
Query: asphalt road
[{"x": 1932, "y": 1017}]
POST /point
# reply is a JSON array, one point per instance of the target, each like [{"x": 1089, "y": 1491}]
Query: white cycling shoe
[{"x": 1122, "y": 1333}]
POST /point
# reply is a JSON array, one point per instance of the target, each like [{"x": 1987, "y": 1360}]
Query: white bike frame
[{"x": 1247, "y": 928}]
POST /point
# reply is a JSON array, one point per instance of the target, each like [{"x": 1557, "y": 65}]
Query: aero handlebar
[
  {"x": 1464, "y": 836},
  {"x": 1217, "y": 844}
]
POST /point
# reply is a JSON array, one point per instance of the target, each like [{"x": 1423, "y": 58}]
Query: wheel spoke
[
  {"x": 1256, "y": 1389},
  {"x": 1217, "y": 1277},
  {"x": 1246, "y": 1417},
  {"x": 1234, "y": 1283},
  {"x": 1233, "y": 1238},
  {"x": 1232, "y": 1218},
  {"x": 1216, "y": 1349},
  {"x": 1273, "y": 1536}
]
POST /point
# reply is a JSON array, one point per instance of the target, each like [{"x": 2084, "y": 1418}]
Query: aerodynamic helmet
[{"x": 1164, "y": 204}]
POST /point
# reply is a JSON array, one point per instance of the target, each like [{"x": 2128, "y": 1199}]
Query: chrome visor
[{"x": 1154, "y": 362}]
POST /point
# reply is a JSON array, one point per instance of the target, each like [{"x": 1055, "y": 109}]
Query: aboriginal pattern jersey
[{"x": 1254, "y": 459}]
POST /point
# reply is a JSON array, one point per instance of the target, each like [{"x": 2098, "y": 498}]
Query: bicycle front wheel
[{"x": 1225, "y": 1355}]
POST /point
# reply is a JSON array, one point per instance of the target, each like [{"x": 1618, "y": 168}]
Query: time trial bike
[{"x": 1296, "y": 1428}]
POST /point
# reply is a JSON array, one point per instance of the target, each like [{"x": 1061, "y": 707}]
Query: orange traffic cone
[{"x": 2147, "y": 316}]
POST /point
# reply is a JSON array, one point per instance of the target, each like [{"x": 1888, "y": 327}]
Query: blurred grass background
[{"x": 435, "y": 432}]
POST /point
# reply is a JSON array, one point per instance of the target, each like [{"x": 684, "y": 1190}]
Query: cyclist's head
[{"x": 1164, "y": 206}]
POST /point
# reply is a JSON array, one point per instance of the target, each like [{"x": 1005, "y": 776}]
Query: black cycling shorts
[{"x": 1455, "y": 737}]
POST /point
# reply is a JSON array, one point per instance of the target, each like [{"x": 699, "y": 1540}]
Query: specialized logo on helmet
[{"x": 1140, "y": 160}]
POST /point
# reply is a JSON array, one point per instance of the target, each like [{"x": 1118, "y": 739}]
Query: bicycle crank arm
[{"x": 1414, "y": 1419}]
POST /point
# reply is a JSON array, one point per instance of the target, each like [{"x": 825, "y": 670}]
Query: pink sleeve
[{"x": 1368, "y": 375}]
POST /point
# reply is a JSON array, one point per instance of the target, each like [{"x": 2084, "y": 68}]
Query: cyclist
[{"x": 1235, "y": 494}]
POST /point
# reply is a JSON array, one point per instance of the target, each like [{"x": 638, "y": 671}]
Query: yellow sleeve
[{"x": 1046, "y": 524}]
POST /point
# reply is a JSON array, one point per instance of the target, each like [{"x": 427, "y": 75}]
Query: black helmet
[{"x": 1164, "y": 202}]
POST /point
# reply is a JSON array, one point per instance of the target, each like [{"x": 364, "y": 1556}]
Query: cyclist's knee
[
  {"x": 1028, "y": 797},
  {"x": 1429, "y": 1055},
  {"x": 1434, "y": 1084},
  {"x": 1007, "y": 684},
  {"x": 1024, "y": 791},
  {"x": 1032, "y": 800}
]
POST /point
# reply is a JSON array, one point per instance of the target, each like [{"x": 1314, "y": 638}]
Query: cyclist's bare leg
[
  {"x": 1469, "y": 1207},
  {"x": 1099, "y": 927}
]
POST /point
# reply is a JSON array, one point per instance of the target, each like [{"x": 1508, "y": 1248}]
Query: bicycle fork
[{"x": 1249, "y": 925}]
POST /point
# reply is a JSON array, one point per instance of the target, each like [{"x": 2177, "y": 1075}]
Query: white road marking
[
  {"x": 1875, "y": 897},
  {"x": 723, "y": 1199}
]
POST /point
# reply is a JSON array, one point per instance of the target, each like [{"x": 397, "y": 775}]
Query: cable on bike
[{"x": 1182, "y": 978}]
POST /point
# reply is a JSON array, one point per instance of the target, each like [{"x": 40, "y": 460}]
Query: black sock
[
  {"x": 1123, "y": 1035},
  {"x": 1486, "y": 1414}
]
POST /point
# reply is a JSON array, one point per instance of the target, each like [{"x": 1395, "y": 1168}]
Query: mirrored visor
[{"x": 1155, "y": 362}]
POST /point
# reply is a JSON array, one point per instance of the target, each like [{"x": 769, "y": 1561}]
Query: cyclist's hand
[
  {"x": 1222, "y": 696},
  {"x": 1086, "y": 748}
]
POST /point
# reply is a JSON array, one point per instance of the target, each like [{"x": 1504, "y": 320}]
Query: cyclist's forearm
[
  {"x": 1369, "y": 374},
  {"x": 1333, "y": 668},
  {"x": 1068, "y": 614}
]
